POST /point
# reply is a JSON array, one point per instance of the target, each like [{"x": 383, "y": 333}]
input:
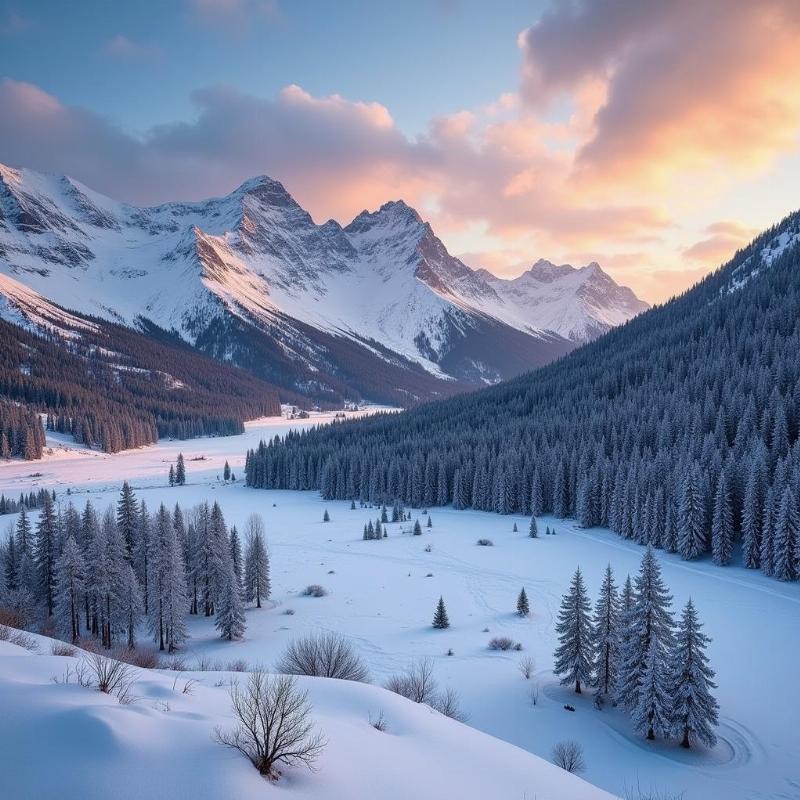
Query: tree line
[
  {"x": 679, "y": 429},
  {"x": 8, "y": 505},
  {"x": 100, "y": 574},
  {"x": 631, "y": 652},
  {"x": 114, "y": 388}
]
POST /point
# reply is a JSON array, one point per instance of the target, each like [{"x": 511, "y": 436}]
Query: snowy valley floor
[{"x": 382, "y": 596}]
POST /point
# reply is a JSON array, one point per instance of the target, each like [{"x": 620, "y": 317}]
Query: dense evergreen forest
[
  {"x": 114, "y": 388},
  {"x": 679, "y": 429}
]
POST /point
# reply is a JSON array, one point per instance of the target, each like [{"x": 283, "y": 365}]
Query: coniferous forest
[
  {"x": 680, "y": 429},
  {"x": 114, "y": 388}
]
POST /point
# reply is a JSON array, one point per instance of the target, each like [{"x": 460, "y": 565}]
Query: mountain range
[{"x": 377, "y": 310}]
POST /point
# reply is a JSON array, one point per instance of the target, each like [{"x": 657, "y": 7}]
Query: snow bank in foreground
[{"x": 66, "y": 741}]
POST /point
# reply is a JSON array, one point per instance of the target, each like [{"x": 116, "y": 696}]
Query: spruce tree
[
  {"x": 652, "y": 713},
  {"x": 646, "y": 640},
  {"x": 236, "y": 558},
  {"x": 127, "y": 516},
  {"x": 326, "y": 517},
  {"x": 230, "y": 621},
  {"x": 70, "y": 585},
  {"x": 417, "y": 528},
  {"x": 605, "y": 634},
  {"x": 45, "y": 553},
  {"x": 226, "y": 472},
  {"x": 573, "y": 656},
  {"x": 256, "y": 563},
  {"x": 523, "y": 609},
  {"x": 430, "y": 524},
  {"x": 533, "y": 530},
  {"x": 694, "y": 714},
  {"x": 691, "y": 516},
  {"x": 722, "y": 524},
  {"x": 180, "y": 471},
  {"x": 786, "y": 538},
  {"x": 440, "y": 619},
  {"x": 171, "y": 477}
]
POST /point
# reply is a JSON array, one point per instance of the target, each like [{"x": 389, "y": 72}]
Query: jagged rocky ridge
[{"x": 376, "y": 310}]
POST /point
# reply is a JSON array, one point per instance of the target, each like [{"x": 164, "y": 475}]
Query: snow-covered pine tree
[
  {"x": 533, "y": 530},
  {"x": 226, "y": 472},
  {"x": 573, "y": 656},
  {"x": 753, "y": 517},
  {"x": 652, "y": 714},
  {"x": 236, "y": 557},
  {"x": 45, "y": 553},
  {"x": 129, "y": 602},
  {"x": 417, "y": 528},
  {"x": 722, "y": 523},
  {"x": 180, "y": 471},
  {"x": 605, "y": 634},
  {"x": 256, "y": 569},
  {"x": 786, "y": 538},
  {"x": 230, "y": 621},
  {"x": 691, "y": 515},
  {"x": 694, "y": 709},
  {"x": 648, "y": 619},
  {"x": 171, "y": 475},
  {"x": 440, "y": 618},
  {"x": 70, "y": 584},
  {"x": 326, "y": 517},
  {"x": 127, "y": 517},
  {"x": 429, "y": 523},
  {"x": 523, "y": 607}
]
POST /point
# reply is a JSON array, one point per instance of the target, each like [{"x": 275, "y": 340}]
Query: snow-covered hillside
[
  {"x": 255, "y": 259},
  {"x": 76, "y": 742}
]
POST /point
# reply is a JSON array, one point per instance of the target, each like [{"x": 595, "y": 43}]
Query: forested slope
[{"x": 679, "y": 428}]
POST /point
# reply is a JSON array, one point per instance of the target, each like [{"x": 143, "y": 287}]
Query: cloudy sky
[{"x": 654, "y": 137}]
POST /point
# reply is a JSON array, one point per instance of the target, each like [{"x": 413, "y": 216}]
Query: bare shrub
[
  {"x": 274, "y": 724},
  {"x": 379, "y": 722},
  {"x": 238, "y": 665},
  {"x": 448, "y": 703},
  {"x": 11, "y": 618},
  {"x": 144, "y": 658},
  {"x": 485, "y": 543},
  {"x": 569, "y": 756},
  {"x": 418, "y": 684},
  {"x": 63, "y": 649},
  {"x": 19, "y": 638},
  {"x": 175, "y": 664},
  {"x": 315, "y": 590},
  {"x": 108, "y": 676},
  {"x": 527, "y": 667},
  {"x": 289, "y": 612},
  {"x": 533, "y": 695},
  {"x": 638, "y": 793},
  {"x": 327, "y": 655},
  {"x": 503, "y": 643}
]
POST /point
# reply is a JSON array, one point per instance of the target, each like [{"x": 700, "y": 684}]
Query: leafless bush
[
  {"x": 503, "y": 643},
  {"x": 533, "y": 695},
  {"x": 239, "y": 665},
  {"x": 188, "y": 685},
  {"x": 174, "y": 663},
  {"x": 418, "y": 684},
  {"x": 569, "y": 756},
  {"x": 527, "y": 667},
  {"x": 638, "y": 793},
  {"x": 485, "y": 542},
  {"x": 205, "y": 664},
  {"x": 314, "y": 590},
  {"x": 379, "y": 722},
  {"x": 19, "y": 638},
  {"x": 289, "y": 612},
  {"x": 108, "y": 675},
  {"x": 327, "y": 655},
  {"x": 11, "y": 618},
  {"x": 448, "y": 703},
  {"x": 144, "y": 658},
  {"x": 274, "y": 724},
  {"x": 62, "y": 649}
]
